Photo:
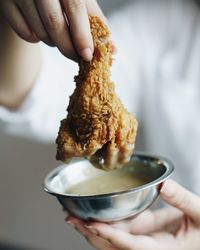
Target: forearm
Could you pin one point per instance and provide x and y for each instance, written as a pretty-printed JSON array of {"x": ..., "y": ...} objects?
[{"x": 19, "y": 66}]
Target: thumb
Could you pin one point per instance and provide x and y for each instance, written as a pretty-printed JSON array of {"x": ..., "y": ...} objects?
[{"x": 179, "y": 197}]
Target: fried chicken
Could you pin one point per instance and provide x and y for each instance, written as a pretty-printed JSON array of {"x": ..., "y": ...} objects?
[{"x": 97, "y": 125}]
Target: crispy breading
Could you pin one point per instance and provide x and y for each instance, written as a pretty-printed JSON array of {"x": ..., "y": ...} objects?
[{"x": 97, "y": 125}]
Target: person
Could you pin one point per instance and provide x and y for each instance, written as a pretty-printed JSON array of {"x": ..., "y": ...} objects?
[
  {"x": 157, "y": 77},
  {"x": 172, "y": 228}
]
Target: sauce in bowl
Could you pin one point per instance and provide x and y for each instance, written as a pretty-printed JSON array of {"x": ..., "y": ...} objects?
[{"x": 108, "y": 183}]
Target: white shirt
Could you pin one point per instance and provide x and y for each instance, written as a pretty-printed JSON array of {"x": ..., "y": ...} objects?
[{"x": 157, "y": 76}]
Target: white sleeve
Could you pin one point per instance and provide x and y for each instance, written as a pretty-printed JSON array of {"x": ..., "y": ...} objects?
[{"x": 39, "y": 116}]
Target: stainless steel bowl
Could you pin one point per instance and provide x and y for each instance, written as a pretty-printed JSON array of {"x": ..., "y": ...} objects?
[{"x": 112, "y": 206}]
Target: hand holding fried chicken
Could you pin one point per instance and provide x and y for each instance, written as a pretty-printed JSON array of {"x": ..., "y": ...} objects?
[{"x": 97, "y": 125}]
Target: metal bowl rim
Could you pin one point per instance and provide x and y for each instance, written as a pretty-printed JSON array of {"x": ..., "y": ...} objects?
[{"x": 168, "y": 172}]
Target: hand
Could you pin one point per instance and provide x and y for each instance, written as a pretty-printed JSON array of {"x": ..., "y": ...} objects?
[
  {"x": 174, "y": 228},
  {"x": 63, "y": 23}
]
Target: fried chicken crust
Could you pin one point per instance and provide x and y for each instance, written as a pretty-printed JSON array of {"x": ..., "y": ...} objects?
[{"x": 97, "y": 125}]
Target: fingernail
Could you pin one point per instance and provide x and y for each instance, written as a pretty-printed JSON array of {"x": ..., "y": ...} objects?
[
  {"x": 86, "y": 54},
  {"x": 70, "y": 223},
  {"x": 91, "y": 228},
  {"x": 167, "y": 189},
  {"x": 114, "y": 49}
]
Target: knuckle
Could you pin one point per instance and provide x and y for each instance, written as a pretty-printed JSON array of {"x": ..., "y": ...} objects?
[
  {"x": 53, "y": 21},
  {"x": 75, "y": 5},
  {"x": 183, "y": 201}
]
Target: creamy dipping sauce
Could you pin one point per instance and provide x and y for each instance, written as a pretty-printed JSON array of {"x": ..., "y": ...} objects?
[{"x": 109, "y": 183}]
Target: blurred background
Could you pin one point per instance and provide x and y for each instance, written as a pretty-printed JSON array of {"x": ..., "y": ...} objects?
[{"x": 29, "y": 218}]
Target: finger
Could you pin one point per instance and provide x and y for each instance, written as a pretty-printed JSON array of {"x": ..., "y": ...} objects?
[
  {"x": 101, "y": 244},
  {"x": 94, "y": 10},
  {"x": 77, "y": 16},
  {"x": 55, "y": 24},
  {"x": 92, "y": 237},
  {"x": 142, "y": 224},
  {"x": 121, "y": 239},
  {"x": 114, "y": 48},
  {"x": 149, "y": 222},
  {"x": 17, "y": 21},
  {"x": 74, "y": 220},
  {"x": 95, "y": 240},
  {"x": 181, "y": 198},
  {"x": 29, "y": 11},
  {"x": 164, "y": 218}
]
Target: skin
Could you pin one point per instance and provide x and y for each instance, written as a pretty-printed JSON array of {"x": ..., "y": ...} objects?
[
  {"x": 17, "y": 57},
  {"x": 176, "y": 227},
  {"x": 63, "y": 24}
]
